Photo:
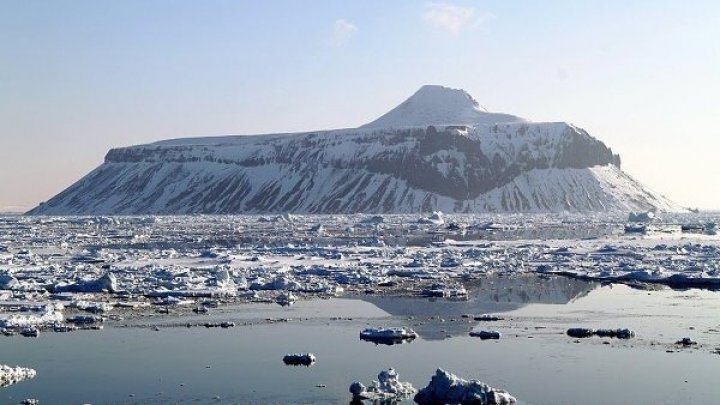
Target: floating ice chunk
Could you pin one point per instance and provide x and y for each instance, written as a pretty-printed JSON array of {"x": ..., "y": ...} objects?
[
  {"x": 94, "y": 307},
  {"x": 622, "y": 333},
  {"x": 284, "y": 218},
  {"x": 442, "y": 290},
  {"x": 87, "y": 256},
  {"x": 224, "y": 282},
  {"x": 300, "y": 359},
  {"x": 446, "y": 388},
  {"x": 106, "y": 283},
  {"x": 376, "y": 219},
  {"x": 686, "y": 341},
  {"x": 636, "y": 228},
  {"x": 450, "y": 262},
  {"x": 12, "y": 375},
  {"x": 318, "y": 229},
  {"x": 50, "y": 314},
  {"x": 580, "y": 332},
  {"x": 30, "y": 331},
  {"x": 641, "y": 217},
  {"x": 387, "y": 387},
  {"x": 286, "y": 299},
  {"x": 242, "y": 283},
  {"x": 132, "y": 304},
  {"x": 278, "y": 283},
  {"x": 223, "y": 324},
  {"x": 84, "y": 319},
  {"x": 8, "y": 282},
  {"x": 387, "y": 335},
  {"x": 435, "y": 219},
  {"x": 173, "y": 301},
  {"x": 486, "y": 334},
  {"x": 488, "y": 318}
]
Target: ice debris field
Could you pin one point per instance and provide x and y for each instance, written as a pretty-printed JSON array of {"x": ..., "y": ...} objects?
[
  {"x": 67, "y": 273},
  {"x": 61, "y": 274}
]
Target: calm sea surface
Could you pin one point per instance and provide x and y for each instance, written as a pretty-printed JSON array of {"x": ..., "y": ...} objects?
[{"x": 534, "y": 360}]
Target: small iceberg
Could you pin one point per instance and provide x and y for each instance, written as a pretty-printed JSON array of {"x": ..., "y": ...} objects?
[
  {"x": 486, "y": 334},
  {"x": 446, "y": 388},
  {"x": 106, "y": 283},
  {"x": 435, "y": 219},
  {"x": 286, "y": 299},
  {"x": 641, "y": 217},
  {"x": 387, "y": 336},
  {"x": 388, "y": 387},
  {"x": 636, "y": 228},
  {"x": 300, "y": 359},
  {"x": 686, "y": 342},
  {"x": 488, "y": 318},
  {"x": 12, "y": 375},
  {"x": 445, "y": 291},
  {"x": 622, "y": 333}
]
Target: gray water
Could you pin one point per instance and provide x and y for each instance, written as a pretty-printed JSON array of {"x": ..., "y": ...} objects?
[{"x": 534, "y": 360}]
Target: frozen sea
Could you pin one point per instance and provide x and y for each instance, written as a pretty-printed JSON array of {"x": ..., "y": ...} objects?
[{"x": 542, "y": 274}]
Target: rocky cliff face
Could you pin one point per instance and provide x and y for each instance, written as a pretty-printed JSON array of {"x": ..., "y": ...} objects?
[{"x": 500, "y": 166}]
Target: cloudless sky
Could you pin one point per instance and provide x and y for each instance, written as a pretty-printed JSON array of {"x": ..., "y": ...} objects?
[{"x": 80, "y": 77}]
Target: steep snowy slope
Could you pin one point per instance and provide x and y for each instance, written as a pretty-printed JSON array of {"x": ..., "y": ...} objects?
[
  {"x": 598, "y": 188},
  {"x": 501, "y": 164}
]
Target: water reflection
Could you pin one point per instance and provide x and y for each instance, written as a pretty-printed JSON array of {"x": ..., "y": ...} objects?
[
  {"x": 386, "y": 340},
  {"x": 492, "y": 294}
]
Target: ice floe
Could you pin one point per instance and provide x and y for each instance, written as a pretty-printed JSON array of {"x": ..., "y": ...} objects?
[
  {"x": 486, "y": 334},
  {"x": 622, "y": 333},
  {"x": 387, "y": 387},
  {"x": 300, "y": 359},
  {"x": 12, "y": 375},
  {"x": 447, "y": 388},
  {"x": 388, "y": 335},
  {"x": 168, "y": 263}
]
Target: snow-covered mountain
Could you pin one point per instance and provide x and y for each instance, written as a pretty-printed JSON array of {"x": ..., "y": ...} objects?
[
  {"x": 438, "y": 105},
  {"x": 436, "y": 151}
]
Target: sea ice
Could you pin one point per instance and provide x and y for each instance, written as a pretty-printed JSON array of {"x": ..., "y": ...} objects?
[
  {"x": 446, "y": 388},
  {"x": 106, "y": 283},
  {"x": 387, "y": 387},
  {"x": 387, "y": 334},
  {"x": 286, "y": 299},
  {"x": 12, "y": 375},
  {"x": 486, "y": 334},
  {"x": 300, "y": 359},
  {"x": 49, "y": 315},
  {"x": 622, "y": 333},
  {"x": 641, "y": 217}
]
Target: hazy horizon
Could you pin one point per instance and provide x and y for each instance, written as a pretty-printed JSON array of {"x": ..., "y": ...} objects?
[{"x": 82, "y": 77}]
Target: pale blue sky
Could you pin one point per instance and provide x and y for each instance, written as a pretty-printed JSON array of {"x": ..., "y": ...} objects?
[{"x": 79, "y": 77}]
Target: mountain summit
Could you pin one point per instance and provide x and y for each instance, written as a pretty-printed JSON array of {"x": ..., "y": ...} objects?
[
  {"x": 436, "y": 151},
  {"x": 438, "y": 105}
]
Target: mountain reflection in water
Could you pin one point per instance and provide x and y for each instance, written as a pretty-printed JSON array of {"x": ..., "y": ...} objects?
[{"x": 493, "y": 294}]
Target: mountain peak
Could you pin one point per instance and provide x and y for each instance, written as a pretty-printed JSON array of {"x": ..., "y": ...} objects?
[{"x": 439, "y": 105}]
